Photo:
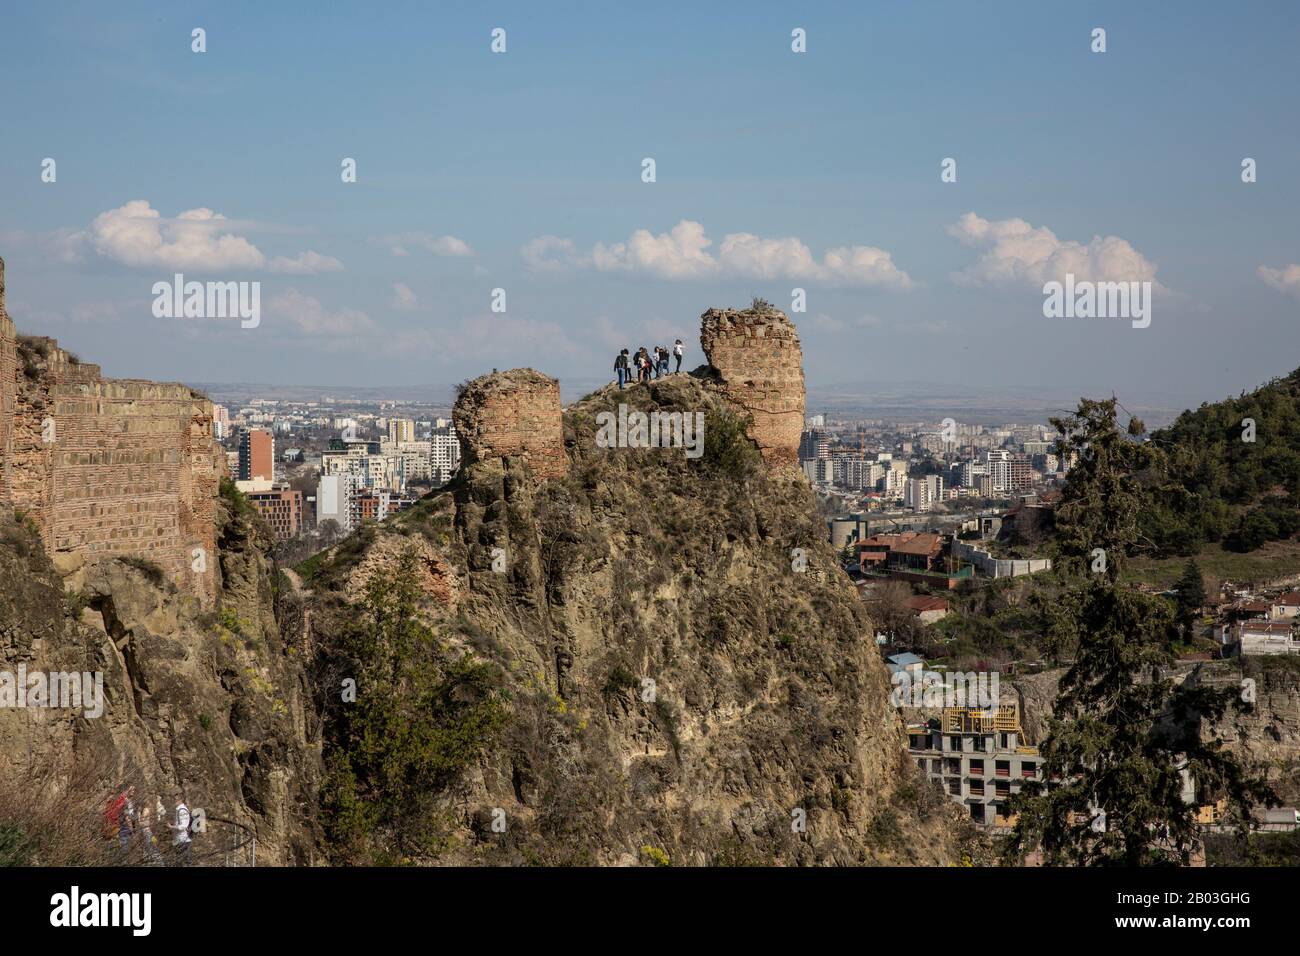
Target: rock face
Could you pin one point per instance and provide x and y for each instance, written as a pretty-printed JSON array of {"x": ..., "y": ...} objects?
[
  {"x": 756, "y": 352},
  {"x": 514, "y": 414},
  {"x": 108, "y": 467},
  {"x": 214, "y": 706},
  {"x": 676, "y": 689}
]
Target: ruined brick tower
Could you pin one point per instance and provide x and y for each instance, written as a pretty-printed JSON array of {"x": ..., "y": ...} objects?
[
  {"x": 8, "y": 384},
  {"x": 514, "y": 414},
  {"x": 756, "y": 352},
  {"x": 108, "y": 467}
]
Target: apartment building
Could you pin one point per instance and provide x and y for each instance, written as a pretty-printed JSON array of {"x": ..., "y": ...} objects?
[
  {"x": 920, "y": 494},
  {"x": 444, "y": 451},
  {"x": 256, "y": 455},
  {"x": 282, "y": 509},
  {"x": 979, "y": 758}
]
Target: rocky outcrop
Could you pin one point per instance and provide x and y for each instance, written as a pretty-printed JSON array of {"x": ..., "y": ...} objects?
[
  {"x": 677, "y": 690},
  {"x": 211, "y": 704},
  {"x": 514, "y": 414},
  {"x": 756, "y": 352}
]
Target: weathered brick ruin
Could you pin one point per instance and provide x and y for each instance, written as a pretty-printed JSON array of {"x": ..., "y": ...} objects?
[
  {"x": 514, "y": 414},
  {"x": 756, "y": 352},
  {"x": 8, "y": 384},
  {"x": 107, "y": 467}
]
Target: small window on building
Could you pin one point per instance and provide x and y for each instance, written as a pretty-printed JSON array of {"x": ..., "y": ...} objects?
[
  {"x": 976, "y": 767},
  {"x": 1003, "y": 788},
  {"x": 1029, "y": 770},
  {"x": 979, "y": 744},
  {"x": 977, "y": 788},
  {"x": 1002, "y": 768},
  {"x": 976, "y": 811},
  {"x": 954, "y": 787},
  {"x": 954, "y": 743}
]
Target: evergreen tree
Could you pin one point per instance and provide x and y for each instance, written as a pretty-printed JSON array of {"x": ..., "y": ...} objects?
[
  {"x": 1123, "y": 736},
  {"x": 1191, "y": 598}
]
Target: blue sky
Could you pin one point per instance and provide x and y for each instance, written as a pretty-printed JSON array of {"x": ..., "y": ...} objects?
[{"x": 822, "y": 168}]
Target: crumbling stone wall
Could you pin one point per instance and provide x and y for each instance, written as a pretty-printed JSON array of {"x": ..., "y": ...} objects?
[
  {"x": 109, "y": 467},
  {"x": 756, "y": 352},
  {"x": 8, "y": 368},
  {"x": 513, "y": 414}
]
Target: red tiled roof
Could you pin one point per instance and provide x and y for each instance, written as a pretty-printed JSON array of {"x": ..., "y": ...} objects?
[{"x": 922, "y": 544}]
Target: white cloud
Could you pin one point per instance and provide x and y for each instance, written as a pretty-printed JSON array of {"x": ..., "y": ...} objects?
[
  {"x": 1016, "y": 252},
  {"x": 401, "y": 244},
  {"x": 198, "y": 239},
  {"x": 307, "y": 314},
  {"x": 304, "y": 264},
  {"x": 403, "y": 298},
  {"x": 683, "y": 253},
  {"x": 1284, "y": 280},
  {"x": 552, "y": 254}
]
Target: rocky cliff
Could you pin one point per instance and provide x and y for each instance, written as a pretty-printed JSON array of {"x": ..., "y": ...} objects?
[
  {"x": 685, "y": 673},
  {"x": 211, "y": 704}
]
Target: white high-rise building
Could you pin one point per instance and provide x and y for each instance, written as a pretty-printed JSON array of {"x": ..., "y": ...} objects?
[
  {"x": 444, "y": 451},
  {"x": 920, "y": 494},
  {"x": 999, "y": 468},
  {"x": 334, "y": 494}
]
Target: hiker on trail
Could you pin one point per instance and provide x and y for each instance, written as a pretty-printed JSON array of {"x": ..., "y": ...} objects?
[
  {"x": 642, "y": 365},
  {"x": 620, "y": 368},
  {"x": 678, "y": 349},
  {"x": 182, "y": 844},
  {"x": 152, "y": 855},
  {"x": 661, "y": 357},
  {"x": 117, "y": 820}
]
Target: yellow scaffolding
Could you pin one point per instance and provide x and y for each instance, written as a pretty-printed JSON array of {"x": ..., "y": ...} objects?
[{"x": 971, "y": 720}]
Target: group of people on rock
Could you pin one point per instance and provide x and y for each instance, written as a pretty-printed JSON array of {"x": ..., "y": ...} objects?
[
  {"x": 646, "y": 364},
  {"x": 134, "y": 826}
]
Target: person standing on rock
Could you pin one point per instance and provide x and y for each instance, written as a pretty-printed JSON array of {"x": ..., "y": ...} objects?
[
  {"x": 662, "y": 354},
  {"x": 620, "y": 368},
  {"x": 678, "y": 349}
]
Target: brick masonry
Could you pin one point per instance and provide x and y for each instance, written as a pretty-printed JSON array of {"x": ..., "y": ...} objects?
[
  {"x": 756, "y": 352},
  {"x": 132, "y": 470},
  {"x": 514, "y": 414},
  {"x": 8, "y": 384}
]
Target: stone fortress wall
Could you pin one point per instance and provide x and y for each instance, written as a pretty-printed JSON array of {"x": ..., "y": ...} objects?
[{"x": 108, "y": 467}]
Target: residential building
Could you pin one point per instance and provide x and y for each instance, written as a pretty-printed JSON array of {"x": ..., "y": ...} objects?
[
  {"x": 256, "y": 455},
  {"x": 978, "y": 756},
  {"x": 282, "y": 509}
]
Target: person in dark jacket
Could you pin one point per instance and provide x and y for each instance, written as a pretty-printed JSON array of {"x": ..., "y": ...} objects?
[{"x": 620, "y": 368}]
